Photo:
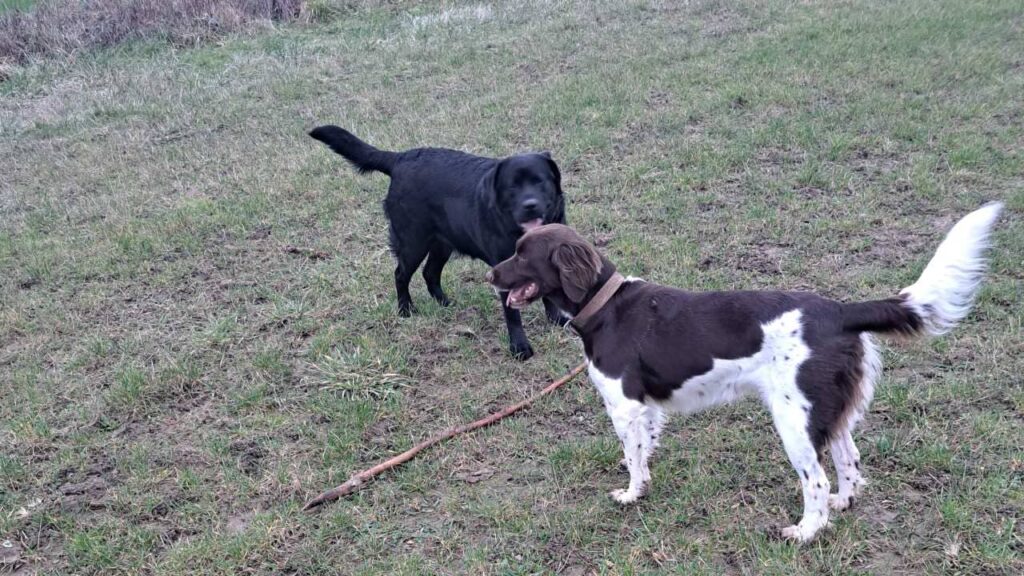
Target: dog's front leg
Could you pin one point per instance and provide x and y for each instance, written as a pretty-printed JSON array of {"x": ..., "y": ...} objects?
[
  {"x": 517, "y": 341},
  {"x": 632, "y": 421},
  {"x": 555, "y": 315}
]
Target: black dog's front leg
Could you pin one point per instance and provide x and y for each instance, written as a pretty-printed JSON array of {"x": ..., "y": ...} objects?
[
  {"x": 555, "y": 314},
  {"x": 517, "y": 342}
]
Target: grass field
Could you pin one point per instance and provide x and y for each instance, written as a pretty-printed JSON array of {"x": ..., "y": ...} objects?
[
  {"x": 6, "y": 5},
  {"x": 174, "y": 383}
]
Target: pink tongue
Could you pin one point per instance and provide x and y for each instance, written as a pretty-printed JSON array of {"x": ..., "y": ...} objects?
[
  {"x": 527, "y": 226},
  {"x": 519, "y": 293},
  {"x": 508, "y": 300}
]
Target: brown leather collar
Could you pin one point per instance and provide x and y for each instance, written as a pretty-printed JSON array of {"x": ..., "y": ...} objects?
[{"x": 599, "y": 300}]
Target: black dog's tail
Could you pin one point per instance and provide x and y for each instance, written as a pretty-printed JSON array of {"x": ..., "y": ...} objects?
[
  {"x": 944, "y": 293},
  {"x": 364, "y": 157}
]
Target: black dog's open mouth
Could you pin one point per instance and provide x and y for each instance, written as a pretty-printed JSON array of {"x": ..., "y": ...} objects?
[
  {"x": 521, "y": 296},
  {"x": 531, "y": 224}
]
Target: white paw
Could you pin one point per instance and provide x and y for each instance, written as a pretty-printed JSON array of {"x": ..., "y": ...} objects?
[
  {"x": 839, "y": 503},
  {"x": 795, "y": 533},
  {"x": 802, "y": 532},
  {"x": 625, "y": 496}
]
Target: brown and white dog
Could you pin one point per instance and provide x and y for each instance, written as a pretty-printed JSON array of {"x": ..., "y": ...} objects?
[{"x": 812, "y": 361}]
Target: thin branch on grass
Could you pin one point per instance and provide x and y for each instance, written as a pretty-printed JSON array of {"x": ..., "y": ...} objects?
[{"x": 356, "y": 481}]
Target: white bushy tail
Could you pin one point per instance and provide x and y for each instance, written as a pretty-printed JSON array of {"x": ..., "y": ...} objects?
[{"x": 944, "y": 293}]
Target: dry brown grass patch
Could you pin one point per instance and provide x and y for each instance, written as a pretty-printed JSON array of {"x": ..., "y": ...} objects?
[{"x": 58, "y": 27}]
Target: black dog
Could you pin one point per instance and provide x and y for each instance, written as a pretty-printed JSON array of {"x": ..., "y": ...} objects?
[{"x": 442, "y": 201}]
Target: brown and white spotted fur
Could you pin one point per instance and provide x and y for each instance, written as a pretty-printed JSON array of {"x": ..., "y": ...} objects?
[{"x": 812, "y": 361}]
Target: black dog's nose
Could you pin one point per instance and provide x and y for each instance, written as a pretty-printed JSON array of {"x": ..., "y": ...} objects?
[
  {"x": 531, "y": 205},
  {"x": 490, "y": 276}
]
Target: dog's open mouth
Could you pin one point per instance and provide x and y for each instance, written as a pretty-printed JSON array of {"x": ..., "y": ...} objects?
[
  {"x": 521, "y": 296},
  {"x": 531, "y": 224}
]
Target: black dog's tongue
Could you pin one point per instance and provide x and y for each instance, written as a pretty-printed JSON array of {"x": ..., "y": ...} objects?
[{"x": 530, "y": 225}]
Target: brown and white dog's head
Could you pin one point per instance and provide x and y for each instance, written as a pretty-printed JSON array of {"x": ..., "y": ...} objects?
[{"x": 550, "y": 261}]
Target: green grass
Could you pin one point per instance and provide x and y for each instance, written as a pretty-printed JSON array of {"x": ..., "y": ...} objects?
[
  {"x": 175, "y": 384},
  {"x": 6, "y": 5}
]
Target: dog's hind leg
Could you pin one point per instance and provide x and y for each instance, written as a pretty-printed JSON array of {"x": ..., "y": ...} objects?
[
  {"x": 409, "y": 256},
  {"x": 847, "y": 461},
  {"x": 440, "y": 252},
  {"x": 791, "y": 423},
  {"x": 845, "y": 455},
  {"x": 410, "y": 242}
]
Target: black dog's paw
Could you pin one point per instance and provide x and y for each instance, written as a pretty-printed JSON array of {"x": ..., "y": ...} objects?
[
  {"x": 406, "y": 309},
  {"x": 439, "y": 296},
  {"x": 521, "y": 350}
]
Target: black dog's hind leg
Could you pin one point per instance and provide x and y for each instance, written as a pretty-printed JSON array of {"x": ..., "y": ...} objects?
[
  {"x": 555, "y": 315},
  {"x": 409, "y": 259},
  {"x": 440, "y": 252},
  {"x": 517, "y": 342}
]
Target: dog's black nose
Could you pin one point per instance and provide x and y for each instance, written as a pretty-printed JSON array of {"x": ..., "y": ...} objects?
[
  {"x": 490, "y": 276},
  {"x": 531, "y": 205}
]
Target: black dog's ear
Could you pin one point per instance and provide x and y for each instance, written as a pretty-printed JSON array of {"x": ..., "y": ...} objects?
[
  {"x": 579, "y": 265},
  {"x": 489, "y": 186},
  {"x": 545, "y": 153},
  {"x": 554, "y": 170},
  {"x": 558, "y": 210}
]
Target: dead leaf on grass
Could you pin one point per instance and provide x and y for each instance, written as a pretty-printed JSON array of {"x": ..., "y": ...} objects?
[
  {"x": 660, "y": 558},
  {"x": 26, "y": 511},
  {"x": 952, "y": 549},
  {"x": 307, "y": 252},
  {"x": 474, "y": 476},
  {"x": 603, "y": 239}
]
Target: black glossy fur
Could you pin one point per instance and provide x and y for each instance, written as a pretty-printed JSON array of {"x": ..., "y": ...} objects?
[{"x": 444, "y": 201}]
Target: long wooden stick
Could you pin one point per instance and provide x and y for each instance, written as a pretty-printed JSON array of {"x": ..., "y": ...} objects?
[{"x": 353, "y": 483}]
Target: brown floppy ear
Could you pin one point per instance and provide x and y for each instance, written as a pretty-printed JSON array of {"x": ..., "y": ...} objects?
[{"x": 578, "y": 268}]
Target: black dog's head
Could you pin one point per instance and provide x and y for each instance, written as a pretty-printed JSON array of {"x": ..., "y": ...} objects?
[{"x": 527, "y": 188}]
